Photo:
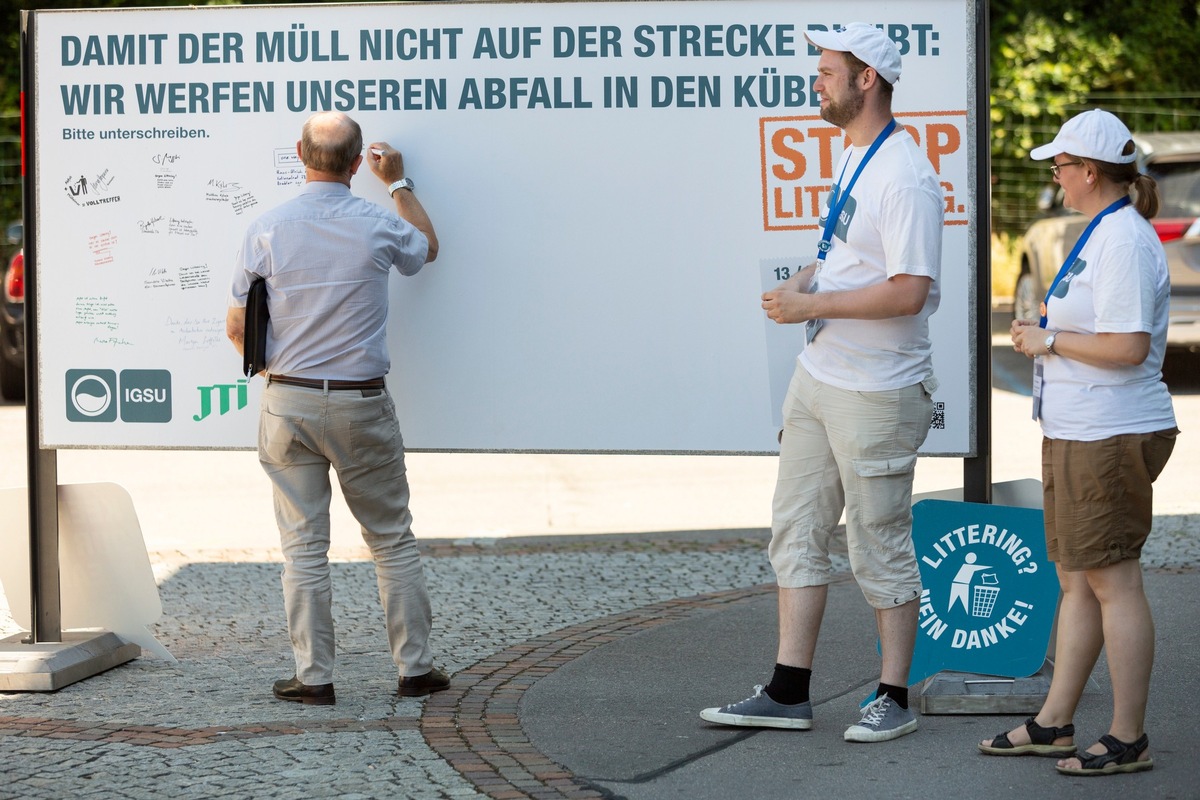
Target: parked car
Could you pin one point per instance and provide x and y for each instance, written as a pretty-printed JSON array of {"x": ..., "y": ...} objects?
[
  {"x": 1173, "y": 160},
  {"x": 12, "y": 320}
]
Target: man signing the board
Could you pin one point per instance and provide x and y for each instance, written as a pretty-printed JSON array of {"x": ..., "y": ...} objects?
[{"x": 326, "y": 256}]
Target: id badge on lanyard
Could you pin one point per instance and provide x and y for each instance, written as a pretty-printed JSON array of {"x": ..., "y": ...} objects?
[
  {"x": 1038, "y": 368},
  {"x": 834, "y": 211}
]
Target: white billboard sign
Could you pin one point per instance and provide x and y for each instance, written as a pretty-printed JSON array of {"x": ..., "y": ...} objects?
[{"x": 613, "y": 184}]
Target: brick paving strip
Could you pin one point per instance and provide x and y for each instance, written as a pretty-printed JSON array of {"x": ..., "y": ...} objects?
[{"x": 474, "y": 725}]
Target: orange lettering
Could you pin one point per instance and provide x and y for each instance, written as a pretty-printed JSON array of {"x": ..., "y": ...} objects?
[
  {"x": 941, "y": 139},
  {"x": 780, "y": 145},
  {"x": 825, "y": 137}
]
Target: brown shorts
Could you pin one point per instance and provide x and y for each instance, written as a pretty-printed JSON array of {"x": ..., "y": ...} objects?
[{"x": 1097, "y": 497}]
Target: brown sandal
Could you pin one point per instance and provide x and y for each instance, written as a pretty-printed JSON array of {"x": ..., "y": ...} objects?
[{"x": 1041, "y": 742}]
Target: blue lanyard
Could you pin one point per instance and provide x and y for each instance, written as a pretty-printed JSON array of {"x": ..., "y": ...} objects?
[
  {"x": 1066, "y": 267},
  {"x": 835, "y": 210}
]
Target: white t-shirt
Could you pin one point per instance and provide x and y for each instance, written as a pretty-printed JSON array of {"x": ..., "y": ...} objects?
[
  {"x": 1119, "y": 284},
  {"x": 891, "y": 225}
]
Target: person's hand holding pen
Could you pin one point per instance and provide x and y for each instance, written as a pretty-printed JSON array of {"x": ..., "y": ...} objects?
[
  {"x": 388, "y": 165},
  {"x": 385, "y": 161}
]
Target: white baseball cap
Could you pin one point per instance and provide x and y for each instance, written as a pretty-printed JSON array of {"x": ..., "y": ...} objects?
[
  {"x": 867, "y": 43},
  {"x": 1094, "y": 134}
]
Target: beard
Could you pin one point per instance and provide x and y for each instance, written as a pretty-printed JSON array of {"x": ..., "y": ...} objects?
[{"x": 843, "y": 113}]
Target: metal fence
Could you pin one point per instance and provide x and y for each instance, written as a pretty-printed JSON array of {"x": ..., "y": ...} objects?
[
  {"x": 1016, "y": 180},
  {"x": 10, "y": 166}
]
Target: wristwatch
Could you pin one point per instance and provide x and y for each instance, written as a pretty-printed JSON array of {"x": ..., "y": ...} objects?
[
  {"x": 1050, "y": 343},
  {"x": 403, "y": 183}
]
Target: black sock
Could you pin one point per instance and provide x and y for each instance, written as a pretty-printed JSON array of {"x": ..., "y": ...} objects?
[
  {"x": 897, "y": 693},
  {"x": 789, "y": 685}
]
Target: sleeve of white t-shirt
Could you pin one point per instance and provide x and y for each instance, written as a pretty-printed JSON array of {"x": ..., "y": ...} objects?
[
  {"x": 911, "y": 228},
  {"x": 1123, "y": 288}
]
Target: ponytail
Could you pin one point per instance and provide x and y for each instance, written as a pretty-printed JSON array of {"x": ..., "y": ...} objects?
[
  {"x": 1145, "y": 189},
  {"x": 1145, "y": 197}
]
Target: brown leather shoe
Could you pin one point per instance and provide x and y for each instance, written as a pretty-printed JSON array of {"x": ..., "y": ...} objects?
[
  {"x": 420, "y": 685},
  {"x": 295, "y": 691}
]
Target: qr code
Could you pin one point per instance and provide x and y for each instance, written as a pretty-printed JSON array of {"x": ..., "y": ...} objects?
[{"x": 938, "y": 421}]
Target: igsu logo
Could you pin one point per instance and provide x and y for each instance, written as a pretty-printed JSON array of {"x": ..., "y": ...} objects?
[
  {"x": 91, "y": 395},
  {"x": 139, "y": 395}
]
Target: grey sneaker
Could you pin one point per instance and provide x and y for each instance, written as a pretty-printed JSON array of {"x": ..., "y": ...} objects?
[
  {"x": 882, "y": 719},
  {"x": 760, "y": 711}
]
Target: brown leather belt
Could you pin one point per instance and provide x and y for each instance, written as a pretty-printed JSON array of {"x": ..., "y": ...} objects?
[{"x": 312, "y": 383}]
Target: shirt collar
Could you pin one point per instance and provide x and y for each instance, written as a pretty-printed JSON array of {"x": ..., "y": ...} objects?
[{"x": 325, "y": 187}]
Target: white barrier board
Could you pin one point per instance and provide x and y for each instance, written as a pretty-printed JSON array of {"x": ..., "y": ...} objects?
[{"x": 613, "y": 185}]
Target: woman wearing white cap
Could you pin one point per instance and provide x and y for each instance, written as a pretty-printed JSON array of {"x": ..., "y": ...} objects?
[{"x": 1108, "y": 428}]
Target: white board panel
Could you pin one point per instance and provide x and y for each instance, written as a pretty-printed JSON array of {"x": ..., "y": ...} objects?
[{"x": 613, "y": 185}]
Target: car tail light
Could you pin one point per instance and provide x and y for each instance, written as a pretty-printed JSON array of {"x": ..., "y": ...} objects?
[
  {"x": 1169, "y": 230},
  {"x": 14, "y": 281}
]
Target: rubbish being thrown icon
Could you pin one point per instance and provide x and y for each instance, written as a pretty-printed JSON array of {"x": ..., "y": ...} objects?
[{"x": 961, "y": 584}]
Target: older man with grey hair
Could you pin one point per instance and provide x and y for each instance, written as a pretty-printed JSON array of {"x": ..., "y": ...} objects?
[{"x": 326, "y": 257}]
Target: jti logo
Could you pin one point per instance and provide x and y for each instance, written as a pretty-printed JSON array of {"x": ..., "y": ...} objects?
[{"x": 226, "y": 394}]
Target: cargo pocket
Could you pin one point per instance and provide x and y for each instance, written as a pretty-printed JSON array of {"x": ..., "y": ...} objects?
[{"x": 884, "y": 490}]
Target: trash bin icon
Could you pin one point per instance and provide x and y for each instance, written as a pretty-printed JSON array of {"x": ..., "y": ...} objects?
[{"x": 983, "y": 601}]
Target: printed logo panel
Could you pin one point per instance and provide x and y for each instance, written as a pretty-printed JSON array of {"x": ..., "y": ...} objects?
[
  {"x": 96, "y": 395},
  {"x": 91, "y": 395},
  {"x": 798, "y": 156},
  {"x": 145, "y": 395}
]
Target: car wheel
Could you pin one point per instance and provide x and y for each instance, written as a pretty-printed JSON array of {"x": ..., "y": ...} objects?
[
  {"x": 12, "y": 381},
  {"x": 1025, "y": 301}
]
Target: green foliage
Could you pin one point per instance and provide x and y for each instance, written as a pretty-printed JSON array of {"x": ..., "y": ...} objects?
[
  {"x": 1048, "y": 56},
  {"x": 1051, "y": 59}
]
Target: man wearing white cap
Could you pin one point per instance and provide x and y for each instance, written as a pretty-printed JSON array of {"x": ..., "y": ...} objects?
[{"x": 859, "y": 405}]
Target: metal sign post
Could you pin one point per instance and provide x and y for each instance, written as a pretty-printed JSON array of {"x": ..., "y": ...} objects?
[{"x": 46, "y": 659}]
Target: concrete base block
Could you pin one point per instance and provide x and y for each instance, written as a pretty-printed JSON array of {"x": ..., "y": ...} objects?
[
  {"x": 964, "y": 693},
  {"x": 48, "y": 666}
]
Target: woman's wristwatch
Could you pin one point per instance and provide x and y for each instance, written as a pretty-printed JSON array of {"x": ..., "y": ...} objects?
[{"x": 1050, "y": 343}]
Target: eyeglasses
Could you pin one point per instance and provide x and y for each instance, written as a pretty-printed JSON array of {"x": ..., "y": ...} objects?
[{"x": 1054, "y": 168}]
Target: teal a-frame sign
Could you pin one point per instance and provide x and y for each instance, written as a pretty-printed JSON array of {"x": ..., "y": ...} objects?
[{"x": 989, "y": 592}]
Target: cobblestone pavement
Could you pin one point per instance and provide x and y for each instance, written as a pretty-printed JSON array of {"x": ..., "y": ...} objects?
[{"x": 506, "y": 613}]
